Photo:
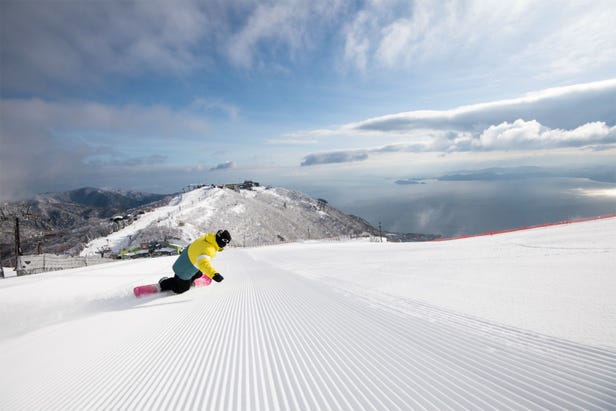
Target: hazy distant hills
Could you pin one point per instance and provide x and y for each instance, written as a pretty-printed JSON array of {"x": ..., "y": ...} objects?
[
  {"x": 62, "y": 222},
  {"x": 102, "y": 201},
  {"x": 596, "y": 173}
]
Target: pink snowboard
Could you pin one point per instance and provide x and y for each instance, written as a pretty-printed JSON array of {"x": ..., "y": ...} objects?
[
  {"x": 143, "y": 290},
  {"x": 148, "y": 289}
]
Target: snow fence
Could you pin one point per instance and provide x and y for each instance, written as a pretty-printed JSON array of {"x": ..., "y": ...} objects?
[{"x": 33, "y": 264}]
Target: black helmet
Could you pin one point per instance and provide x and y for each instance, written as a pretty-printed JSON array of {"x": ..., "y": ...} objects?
[{"x": 223, "y": 238}]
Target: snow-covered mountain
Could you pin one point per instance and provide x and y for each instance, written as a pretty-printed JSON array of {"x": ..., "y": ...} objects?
[{"x": 256, "y": 216}]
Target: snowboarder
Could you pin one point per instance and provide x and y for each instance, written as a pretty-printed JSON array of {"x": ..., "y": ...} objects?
[{"x": 195, "y": 262}]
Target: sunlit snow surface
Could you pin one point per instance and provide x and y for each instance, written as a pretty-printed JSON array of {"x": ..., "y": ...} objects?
[{"x": 518, "y": 320}]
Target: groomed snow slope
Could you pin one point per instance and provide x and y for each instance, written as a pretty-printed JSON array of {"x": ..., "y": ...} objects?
[{"x": 519, "y": 320}]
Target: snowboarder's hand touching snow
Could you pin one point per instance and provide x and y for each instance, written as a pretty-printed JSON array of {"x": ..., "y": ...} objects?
[{"x": 218, "y": 278}]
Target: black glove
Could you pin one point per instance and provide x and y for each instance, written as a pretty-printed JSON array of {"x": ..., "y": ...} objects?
[{"x": 218, "y": 278}]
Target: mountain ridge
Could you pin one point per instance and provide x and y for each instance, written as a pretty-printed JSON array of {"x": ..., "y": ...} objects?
[
  {"x": 66, "y": 222},
  {"x": 108, "y": 200},
  {"x": 256, "y": 216}
]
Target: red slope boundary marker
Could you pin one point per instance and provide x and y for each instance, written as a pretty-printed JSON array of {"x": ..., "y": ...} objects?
[{"x": 530, "y": 227}]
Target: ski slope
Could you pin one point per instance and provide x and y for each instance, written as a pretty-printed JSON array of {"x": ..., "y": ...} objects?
[{"x": 523, "y": 320}]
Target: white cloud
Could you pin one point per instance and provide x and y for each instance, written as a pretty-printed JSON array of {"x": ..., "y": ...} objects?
[
  {"x": 47, "y": 144},
  {"x": 335, "y": 157},
  {"x": 565, "y": 117},
  {"x": 394, "y": 46},
  {"x": 216, "y": 105},
  {"x": 401, "y": 33},
  {"x": 581, "y": 43},
  {"x": 224, "y": 166},
  {"x": 290, "y": 142},
  {"x": 564, "y": 107},
  {"x": 66, "y": 44},
  {"x": 599, "y": 192},
  {"x": 273, "y": 32},
  {"x": 43, "y": 117},
  {"x": 480, "y": 48},
  {"x": 357, "y": 44},
  {"x": 69, "y": 44},
  {"x": 537, "y": 38},
  {"x": 279, "y": 23},
  {"x": 519, "y": 135},
  {"x": 56, "y": 44},
  {"x": 529, "y": 135}
]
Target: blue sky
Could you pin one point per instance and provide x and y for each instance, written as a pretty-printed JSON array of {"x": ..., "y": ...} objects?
[{"x": 155, "y": 95}]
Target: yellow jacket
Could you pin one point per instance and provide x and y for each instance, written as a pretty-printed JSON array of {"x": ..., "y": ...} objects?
[{"x": 201, "y": 251}]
